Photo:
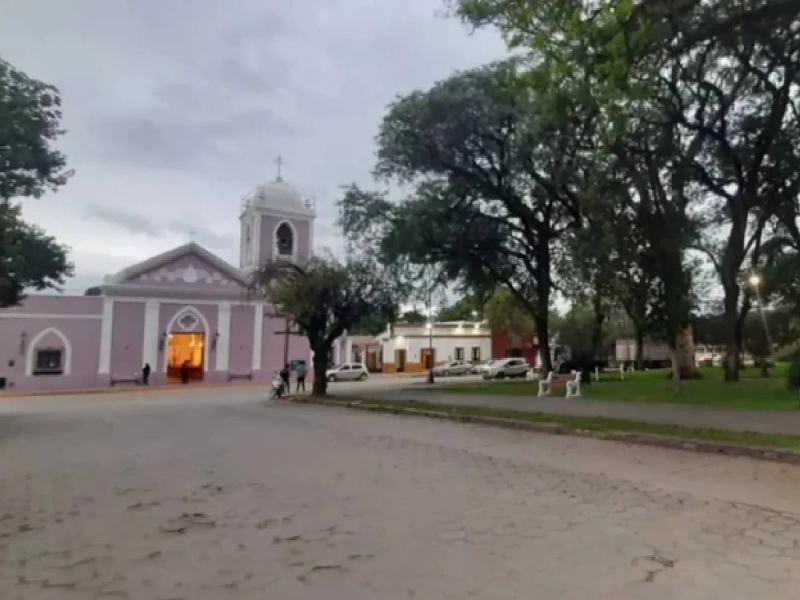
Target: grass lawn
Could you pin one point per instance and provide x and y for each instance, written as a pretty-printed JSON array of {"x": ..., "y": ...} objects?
[
  {"x": 752, "y": 391},
  {"x": 598, "y": 425}
]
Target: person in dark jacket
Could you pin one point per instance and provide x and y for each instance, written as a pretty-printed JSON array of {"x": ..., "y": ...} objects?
[
  {"x": 146, "y": 374},
  {"x": 185, "y": 372},
  {"x": 285, "y": 371},
  {"x": 301, "y": 377}
]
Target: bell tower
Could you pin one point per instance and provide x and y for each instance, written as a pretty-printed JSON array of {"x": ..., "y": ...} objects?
[{"x": 276, "y": 223}]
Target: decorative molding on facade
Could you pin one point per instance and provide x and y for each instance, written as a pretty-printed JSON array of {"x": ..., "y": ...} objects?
[
  {"x": 158, "y": 264},
  {"x": 258, "y": 337},
  {"x": 188, "y": 322},
  {"x": 190, "y": 274},
  {"x": 203, "y": 295},
  {"x": 150, "y": 337},
  {"x": 224, "y": 341},
  {"x": 106, "y": 332},
  {"x": 32, "y": 348}
]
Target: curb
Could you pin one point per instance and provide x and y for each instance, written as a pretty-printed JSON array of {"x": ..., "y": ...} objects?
[
  {"x": 133, "y": 389},
  {"x": 645, "y": 439}
]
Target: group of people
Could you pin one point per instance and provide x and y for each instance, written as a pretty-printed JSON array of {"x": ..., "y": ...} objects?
[{"x": 300, "y": 376}]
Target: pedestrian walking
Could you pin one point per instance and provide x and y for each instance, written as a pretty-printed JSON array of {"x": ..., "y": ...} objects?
[{"x": 301, "y": 377}]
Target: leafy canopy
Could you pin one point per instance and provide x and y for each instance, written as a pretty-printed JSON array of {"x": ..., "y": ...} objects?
[
  {"x": 30, "y": 116},
  {"x": 28, "y": 257}
]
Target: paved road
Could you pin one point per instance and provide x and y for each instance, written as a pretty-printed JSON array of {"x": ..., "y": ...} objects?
[{"x": 216, "y": 497}]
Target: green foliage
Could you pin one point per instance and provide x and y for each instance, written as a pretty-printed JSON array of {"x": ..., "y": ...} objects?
[
  {"x": 413, "y": 316},
  {"x": 30, "y": 117},
  {"x": 505, "y": 313},
  {"x": 28, "y": 257},
  {"x": 464, "y": 309},
  {"x": 696, "y": 103},
  {"x": 327, "y": 297},
  {"x": 370, "y": 325},
  {"x": 493, "y": 169}
]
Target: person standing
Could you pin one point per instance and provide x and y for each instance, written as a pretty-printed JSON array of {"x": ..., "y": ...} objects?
[
  {"x": 301, "y": 377},
  {"x": 146, "y": 374},
  {"x": 185, "y": 371},
  {"x": 285, "y": 371}
]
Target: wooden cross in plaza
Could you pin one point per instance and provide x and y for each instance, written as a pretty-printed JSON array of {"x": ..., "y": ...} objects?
[{"x": 286, "y": 332}]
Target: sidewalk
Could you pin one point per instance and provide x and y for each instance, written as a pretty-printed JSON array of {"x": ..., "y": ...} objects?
[{"x": 760, "y": 421}]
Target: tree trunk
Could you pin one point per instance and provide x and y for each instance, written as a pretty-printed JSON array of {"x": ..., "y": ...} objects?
[
  {"x": 320, "y": 387},
  {"x": 733, "y": 335},
  {"x": 676, "y": 374},
  {"x": 542, "y": 335},
  {"x": 729, "y": 275},
  {"x": 639, "y": 347},
  {"x": 684, "y": 347}
]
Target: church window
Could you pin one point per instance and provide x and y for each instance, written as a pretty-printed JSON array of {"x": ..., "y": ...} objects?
[
  {"x": 48, "y": 362},
  {"x": 247, "y": 234},
  {"x": 284, "y": 240}
]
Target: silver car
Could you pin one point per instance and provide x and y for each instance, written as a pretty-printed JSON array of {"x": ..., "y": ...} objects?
[
  {"x": 506, "y": 367},
  {"x": 455, "y": 367},
  {"x": 347, "y": 372}
]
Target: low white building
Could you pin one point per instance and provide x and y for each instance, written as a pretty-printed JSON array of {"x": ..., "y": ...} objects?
[
  {"x": 406, "y": 347},
  {"x": 363, "y": 349}
]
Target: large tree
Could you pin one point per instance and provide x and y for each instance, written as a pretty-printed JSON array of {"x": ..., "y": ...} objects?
[
  {"x": 30, "y": 122},
  {"x": 718, "y": 78},
  {"x": 496, "y": 180},
  {"x": 29, "y": 259},
  {"x": 29, "y": 165},
  {"x": 325, "y": 298}
]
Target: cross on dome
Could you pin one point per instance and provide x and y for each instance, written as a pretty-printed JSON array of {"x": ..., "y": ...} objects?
[{"x": 279, "y": 162}]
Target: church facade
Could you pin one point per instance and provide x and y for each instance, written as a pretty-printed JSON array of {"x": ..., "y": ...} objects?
[{"x": 186, "y": 313}]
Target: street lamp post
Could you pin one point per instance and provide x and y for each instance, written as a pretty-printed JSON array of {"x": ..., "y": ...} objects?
[
  {"x": 755, "y": 282},
  {"x": 429, "y": 325}
]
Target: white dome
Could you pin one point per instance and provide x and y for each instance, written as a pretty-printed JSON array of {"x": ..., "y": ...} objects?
[{"x": 280, "y": 196}]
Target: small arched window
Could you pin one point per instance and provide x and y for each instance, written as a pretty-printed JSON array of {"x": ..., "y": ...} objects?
[
  {"x": 247, "y": 234},
  {"x": 284, "y": 240}
]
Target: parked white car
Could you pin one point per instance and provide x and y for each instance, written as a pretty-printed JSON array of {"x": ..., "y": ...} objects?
[
  {"x": 506, "y": 367},
  {"x": 454, "y": 367},
  {"x": 348, "y": 372}
]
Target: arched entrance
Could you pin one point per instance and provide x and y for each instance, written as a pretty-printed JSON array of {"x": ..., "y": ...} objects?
[{"x": 186, "y": 353}]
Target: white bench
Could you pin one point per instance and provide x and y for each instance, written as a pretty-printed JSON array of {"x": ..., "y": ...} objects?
[
  {"x": 574, "y": 385},
  {"x": 572, "y": 381}
]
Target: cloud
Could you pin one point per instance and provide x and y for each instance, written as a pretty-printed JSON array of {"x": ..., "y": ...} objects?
[
  {"x": 175, "y": 110},
  {"x": 140, "y": 225}
]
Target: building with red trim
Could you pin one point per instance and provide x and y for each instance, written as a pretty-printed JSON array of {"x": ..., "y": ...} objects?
[{"x": 505, "y": 344}]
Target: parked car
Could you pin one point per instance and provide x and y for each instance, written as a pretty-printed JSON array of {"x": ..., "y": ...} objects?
[
  {"x": 506, "y": 367},
  {"x": 348, "y": 372},
  {"x": 454, "y": 367},
  {"x": 479, "y": 367}
]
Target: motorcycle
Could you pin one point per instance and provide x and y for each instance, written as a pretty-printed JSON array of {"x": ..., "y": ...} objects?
[{"x": 277, "y": 389}]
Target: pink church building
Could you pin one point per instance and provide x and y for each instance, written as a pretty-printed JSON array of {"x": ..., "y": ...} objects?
[{"x": 187, "y": 313}]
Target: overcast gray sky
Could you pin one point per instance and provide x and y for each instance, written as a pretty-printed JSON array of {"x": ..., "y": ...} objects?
[{"x": 177, "y": 108}]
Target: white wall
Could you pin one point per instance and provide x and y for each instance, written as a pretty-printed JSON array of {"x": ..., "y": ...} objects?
[{"x": 445, "y": 347}]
